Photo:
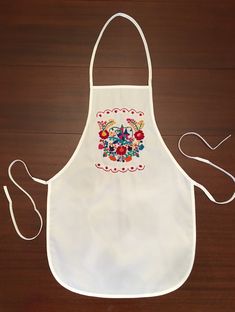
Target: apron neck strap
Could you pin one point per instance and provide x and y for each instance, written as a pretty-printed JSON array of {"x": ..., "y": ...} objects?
[
  {"x": 27, "y": 194},
  {"x": 208, "y": 194},
  {"x": 142, "y": 36}
]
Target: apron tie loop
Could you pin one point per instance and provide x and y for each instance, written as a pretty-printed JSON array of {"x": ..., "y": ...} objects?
[
  {"x": 208, "y": 194},
  {"x": 27, "y": 194},
  {"x": 131, "y": 19}
]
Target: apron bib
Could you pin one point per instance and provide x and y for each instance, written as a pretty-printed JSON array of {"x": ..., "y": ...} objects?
[{"x": 121, "y": 213}]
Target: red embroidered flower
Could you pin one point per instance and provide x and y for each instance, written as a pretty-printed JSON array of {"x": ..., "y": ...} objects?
[
  {"x": 139, "y": 135},
  {"x": 121, "y": 150},
  {"x": 104, "y": 134}
]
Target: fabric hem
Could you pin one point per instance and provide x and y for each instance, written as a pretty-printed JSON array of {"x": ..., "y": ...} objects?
[{"x": 119, "y": 296}]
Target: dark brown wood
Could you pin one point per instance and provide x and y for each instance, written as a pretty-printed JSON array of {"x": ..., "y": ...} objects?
[
  {"x": 180, "y": 33},
  {"x": 55, "y": 99},
  {"x": 44, "y": 57}
]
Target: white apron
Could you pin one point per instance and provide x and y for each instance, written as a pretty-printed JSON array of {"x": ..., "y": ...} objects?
[{"x": 121, "y": 213}]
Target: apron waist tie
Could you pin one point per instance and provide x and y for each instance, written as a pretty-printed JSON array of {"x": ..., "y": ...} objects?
[
  {"x": 27, "y": 194},
  {"x": 208, "y": 194}
]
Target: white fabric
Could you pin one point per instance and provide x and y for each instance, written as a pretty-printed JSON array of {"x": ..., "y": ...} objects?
[
  {"x": 126, "y": 228},
  {"x": 208, "y": 194},
  {"x": 31, "y": 199}
]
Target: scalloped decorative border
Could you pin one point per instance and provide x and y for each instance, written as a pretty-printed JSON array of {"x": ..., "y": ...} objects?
[
  {"x": 116, "y": 110},
  {"x": 123, "y": 170}
]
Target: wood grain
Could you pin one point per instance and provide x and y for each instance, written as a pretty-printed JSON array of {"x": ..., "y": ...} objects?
[
  {"x": 181, "y": 33},
  {"x": 55, "y": 99},
  {"x": 44, "y": 93}
]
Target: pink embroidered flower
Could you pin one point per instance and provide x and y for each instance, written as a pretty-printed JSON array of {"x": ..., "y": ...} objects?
[
  {"x": 104, "y": 134},
  {"x": 121, "y": 150},
  {"x": 139, "y": 135}
]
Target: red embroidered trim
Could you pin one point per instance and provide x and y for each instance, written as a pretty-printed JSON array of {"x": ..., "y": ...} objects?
[
  {"x": 115, "y": 170},
  {"x": 116, "y": 110}
]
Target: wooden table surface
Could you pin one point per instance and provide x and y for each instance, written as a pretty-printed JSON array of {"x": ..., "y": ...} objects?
[{"x": 44, "y": 58}]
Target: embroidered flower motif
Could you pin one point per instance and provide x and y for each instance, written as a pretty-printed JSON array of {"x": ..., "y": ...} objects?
[
  {"x": 113, "y": 158},
  {"x": 104, "y": 134},
  {"x": 121, "y": 143},
  {"x": 139, "y": 135},
  {"x": 121, "y": 150}
]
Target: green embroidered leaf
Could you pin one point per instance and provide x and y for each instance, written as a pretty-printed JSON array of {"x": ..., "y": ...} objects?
[
  {"x": 140, "y": 124},
  {"x": 109, "y": 124},
  {"x": 133, "y": 124}
]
